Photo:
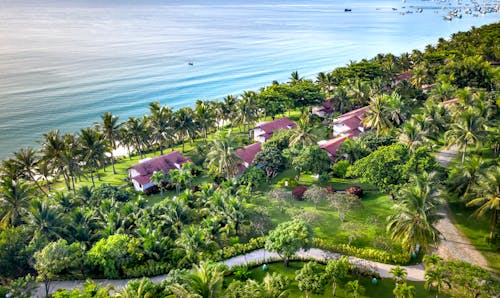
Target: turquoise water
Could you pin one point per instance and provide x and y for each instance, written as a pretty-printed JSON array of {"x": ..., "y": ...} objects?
[{"x": 62, "y": 65}]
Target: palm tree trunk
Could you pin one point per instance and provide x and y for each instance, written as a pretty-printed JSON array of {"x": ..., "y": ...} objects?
[
  {"x": 37, "y": 184},
  {"x": 463, "y": 153},
  {"x": 113, "y": 162},
  {"x": 493, "y": 224}
]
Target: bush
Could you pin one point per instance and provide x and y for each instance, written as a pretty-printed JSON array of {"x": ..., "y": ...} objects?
[
  {"x": 339, "y": 169},
  {"x": 298, "y": 192},
  {"x": 242, "y": 272},
  {"x": 330, "y": 188},
  {"x": 364, "y": 253},
  {"x": 323, "y": 179},
  {"x": 355, "y": 190}
]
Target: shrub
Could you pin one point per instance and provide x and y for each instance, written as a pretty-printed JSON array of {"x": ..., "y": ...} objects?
[
  {"x": 339, "y": 169},
  {"x": 291, "y": 182},
  {"x": 330, "y": 188},
  {"x": 355, "y": 190},
  {"x": 242, "y": 272},
  {"x": 298, "y": 192},
  {"x": 323, "y": 178}
]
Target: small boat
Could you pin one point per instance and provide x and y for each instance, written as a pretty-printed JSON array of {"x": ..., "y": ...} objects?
[
  {"x": 347, "y": 10},
  {"x": 190, "y": 63},
  {"x": 394, "y": 8}
]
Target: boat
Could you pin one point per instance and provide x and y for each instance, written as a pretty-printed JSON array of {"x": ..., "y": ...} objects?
[
  {"x": 347, "y": 10},
  {"x": 190, "y": 63}
]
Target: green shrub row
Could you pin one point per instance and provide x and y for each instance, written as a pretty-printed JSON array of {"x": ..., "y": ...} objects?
[
  {"x": 150, "y": 268},
  {"x": 239, "y": 249},
  {"x": 364, "y": 253}
]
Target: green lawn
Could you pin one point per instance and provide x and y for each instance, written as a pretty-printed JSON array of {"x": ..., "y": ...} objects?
[
  {"x": 364, "y": 226},
  {"x": 477, "y": 231},
  {"x": 383, "y": 288}
]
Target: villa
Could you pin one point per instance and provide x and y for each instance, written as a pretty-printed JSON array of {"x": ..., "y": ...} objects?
[
  {"x": 140, "y": 174},
  {"x": 332, "y": 146},
  {"x": 264, "y": 131},
  {"x": 324, "y": 110},
  {"x": 349, "y": 123},
  {"x": 247, "y": 155}
]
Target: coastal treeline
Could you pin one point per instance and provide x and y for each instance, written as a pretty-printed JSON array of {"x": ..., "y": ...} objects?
[{"x": 112, "y": 231}]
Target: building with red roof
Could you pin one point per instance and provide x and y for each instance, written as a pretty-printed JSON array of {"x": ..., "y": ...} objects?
[
  {"x": 140, "y": 174},
  {"x": 247, "y": 155},
  {"x": 332, "y": 146},
  {"x": 349, "y": 123},
  {"x": 264, "y": 131},
  {"x": 324, "y": 110},
  {"x": 449, "y": 102}
]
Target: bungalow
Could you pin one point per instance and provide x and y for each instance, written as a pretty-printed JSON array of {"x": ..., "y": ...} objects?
[
  {"x": 349, "y": 123},
  {"x": 263, "y": 131},
  {"x": 140, "y": 174},
  {"x": 332, "y": 146},
  {"x": 325, "y": 110},
  {"x": 247, "y": 155}
]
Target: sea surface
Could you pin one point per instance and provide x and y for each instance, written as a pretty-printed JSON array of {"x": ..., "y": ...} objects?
[{"x": 65, "y": 63}]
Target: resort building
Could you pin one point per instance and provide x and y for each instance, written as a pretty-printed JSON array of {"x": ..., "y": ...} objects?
[
  {"x": 332, "y": 146},
  {"x": 324, "y": 110},
  {"x": 140, "y": 174},
  {"x": 449, "y": 102},
  {"x": 247, "y": 155},
  {"x": 264, "y": 131},
  {"x": 349, "y": 123}
]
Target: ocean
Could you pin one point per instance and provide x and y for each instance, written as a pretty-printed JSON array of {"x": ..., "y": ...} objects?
[{"x": 65, "y": 63}]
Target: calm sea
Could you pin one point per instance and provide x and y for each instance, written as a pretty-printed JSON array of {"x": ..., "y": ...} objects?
[{"x": 63, "y": 64}]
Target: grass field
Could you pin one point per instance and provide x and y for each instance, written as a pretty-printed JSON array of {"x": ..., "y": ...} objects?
[
  {"x": 477, "y": 231},
  {"x": 383, "y": 288}
]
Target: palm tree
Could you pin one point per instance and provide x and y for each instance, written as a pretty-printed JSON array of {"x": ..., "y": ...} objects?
[
  {"x": 294, "y": 78},
  {"x": 352, "y": 149},
  {"x": 93, "y": 147},
  {"x": 418, "y": 76},
  {"x": 403, "y": 290},
  {"x": 438, "y": 278},
  {"x": 46, "y": 221},
  {"x": 143, "y": 290},
  {"x": 354, "y": 288},
  {"x": 359, "y": 91},
  {"x": 463, "y": 177},
  {"x": 488, "y": 197},
  {"x": 15, "y": 198},
  {"x": 53, "y": 148},
  {"x": 411, "y": 134},
  {"x": 192, "y": 241},
  {"x": 222, "y": 157},
  {"x": 184, "y": 124},
  {"x": 205, "y": 281},
  {"x": 110, "y": 128},
  {"x": 376, "y": 116},
  {"x": 431, "y": 261},
  {"x": 399, "y": 274},
  {"x": 443, "y": 90},
  {"x": 160, "y": 178},
  {"x": 302, "y": 134},
  {"x": 395, "y": 109},
  {"x": 246, "y": 109},
  {"x": 416, "y": 214},
  {"x": 341, "y": 99},
  {"x": 435, "y": 120},
  {"x": 204, "y": 116},
  {"x": 468, "y": 130},
  {"x": 134, "y": 129},
  {"x": 326, "y": 81},
  {"x": 27, "y": 160},
  {"x": 160, "y": 122},
  {"x": 72, "y": 156}
]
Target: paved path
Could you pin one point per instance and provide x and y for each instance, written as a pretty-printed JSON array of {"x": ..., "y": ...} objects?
[
  {"x": 415, "y": 273},
  {"x": 453, "y": 244}
]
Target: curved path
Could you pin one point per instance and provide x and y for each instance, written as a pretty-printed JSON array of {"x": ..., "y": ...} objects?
[
  {"x": 453, "y": 244},
  {"x": 415, "y": 272}
]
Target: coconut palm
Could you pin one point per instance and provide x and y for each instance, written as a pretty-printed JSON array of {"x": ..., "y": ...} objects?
[
  {"x": 204, "y": 116},
  {"x": 431, "y": 261},
  {"x": 184, "y": 124},
  {"x": 437, "y": 278},
  {"x": 160, "y": 122},
  {"x": 463, "y": 177},
  {"x": 27, "y": 160},
  {"x": 352, "y": 150},
  {"x": 488, "y": 196},
  {"x": 93, "y": 146},
  {"x": 294, "y": 78},
  {"x": 395, "y": 109},
  {"x": 376, "y": 116},
  {"x": 15, "y": 198},
  {"x": 326, "y": 81},
  {"x": 222, "y": 157},
  {"x": 435, "y": 119},
  {"x": 418, "y": 76},
  {"x": 411, "y": 134},
  {"x": 303, "y": 134},
  {"x": 246, "y": 109},
  {"x": 359, "y": 92},
  {"x": 404, "y": 61},
  {"x": 443, "y": 90},
  {"x": 72, "y": 157},
  {"x": 53, "y": 148},
  {"x": 399, "y": 274},
  {"x": 416, "y": 215},
  {"x": 205, "y": 282},
  {"x": 160, "y": 178},
  {"x": 192, "y": 242},
  {"x": 143, "y": 290},
  {"x": 403, "y": 290},
  {"x": 466, "y": 131},
  {"x": 341, "y": 99},
  {"x": 110, "y": 128},
  {"x": 46, "y": 221},
  {"x": 134, "y": 132}
]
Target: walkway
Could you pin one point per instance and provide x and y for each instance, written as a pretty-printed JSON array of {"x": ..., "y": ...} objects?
[
  {"x": 453, "y": 244},
  {"x": 415, "y": 273}
]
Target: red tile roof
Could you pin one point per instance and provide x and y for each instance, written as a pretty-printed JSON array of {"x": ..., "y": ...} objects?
[
  {"x": 352, "y": 122},
  {"x": 281, "y": 123},
  {"x": 354, "y": 113},
  {"x": 333, "y": 145},
  {"x": 404, "y": 76},
  {"x": 164, "y": 163},
  {"x": 450, "y": 101},
  {"x": 248, "y": 153}
]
